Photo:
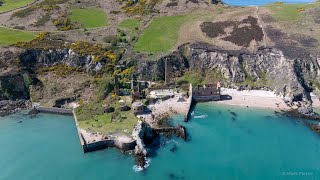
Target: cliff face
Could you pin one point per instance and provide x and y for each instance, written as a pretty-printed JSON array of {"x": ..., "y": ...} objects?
[
  {"x": 35, "y": 57},
  {"x": 13, "y": 87},
  {"x": 290, "y": 77},
  {"x": 267, "y": 68},
  {"x": 155, "y": 70},
  {"x": 12, "y": 79}
]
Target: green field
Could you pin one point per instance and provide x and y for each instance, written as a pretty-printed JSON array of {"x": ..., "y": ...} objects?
[
  {"x": 89, "y": 18},
  {"x": 10, "y": 36},
  {"x": 130, "y": 25},
  {"x": 287, "y": 12},
  {"x": 12, "y": 4},
  {"x": 91, "y": 116},
  {"x": 161, "y": 35},
  {"x": 103, "y": 123}
]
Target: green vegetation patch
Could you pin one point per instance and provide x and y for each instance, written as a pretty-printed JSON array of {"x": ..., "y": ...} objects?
[
  {"x": 198, "y": 78},
  {"x": 92, "y": 117},
  {"x": 130, "y": 25},
  {"x": 117, "y": 122},
  {"x": 288, "y": 12},
  {"x": 161, "y": 35},
  {"x": 12, "y": 4},
  {"x": 89, "y": 17},
  {"x": 10, "y": 36}
]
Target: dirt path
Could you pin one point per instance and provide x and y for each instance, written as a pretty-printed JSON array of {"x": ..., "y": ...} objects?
[{"x": 260, "y": 24}]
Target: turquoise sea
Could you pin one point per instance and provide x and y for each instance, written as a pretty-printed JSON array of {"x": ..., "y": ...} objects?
[
  {"x": 262, "y": 2},
  {"x": 225, "y": 142}
]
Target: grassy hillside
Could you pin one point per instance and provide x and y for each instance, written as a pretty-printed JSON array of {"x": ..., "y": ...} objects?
[
  {"x": 89, "y": 18},
  {"x": 12, "y": 4},
  {"x": 130, "y": 25},
  {"x": 9, "y": 36},
  {"x": 288, "y": 12},
  {"x": 161, "y": 35}
]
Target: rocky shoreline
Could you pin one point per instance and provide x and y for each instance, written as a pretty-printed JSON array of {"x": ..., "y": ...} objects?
[
  {"x": 8, "y": 107},
  {"x": 146, "y": 135}
]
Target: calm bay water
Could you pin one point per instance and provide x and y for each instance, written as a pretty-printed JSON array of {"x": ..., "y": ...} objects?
[
  {"x": 262, "y": 2},
  {"x": 224, "y": 143}
]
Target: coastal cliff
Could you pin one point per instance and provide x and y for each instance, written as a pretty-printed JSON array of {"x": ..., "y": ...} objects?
[
  {"x": 14, "y": 83},
  {"x": 267, "y": 68}
]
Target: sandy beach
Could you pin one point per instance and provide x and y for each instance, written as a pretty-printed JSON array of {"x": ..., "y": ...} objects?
[{"x": 258, "y": 99}]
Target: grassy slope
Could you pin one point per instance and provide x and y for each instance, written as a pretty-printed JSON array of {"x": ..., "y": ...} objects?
[
  {"x": 12, "y": 4},
  {"x": 9, "y": 36},
  {"x": 89, "y": 18},
  {"x": 287, "y": 12},
  {"x": 130, "y": 25},
  {"x": 161, "y": 35}
]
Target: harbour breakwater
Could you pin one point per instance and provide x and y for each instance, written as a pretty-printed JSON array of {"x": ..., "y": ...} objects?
[
  {"x": 53, "y": 110},
  {"x": 103, "y": 143},
  {"x": 190, "y": 101}
]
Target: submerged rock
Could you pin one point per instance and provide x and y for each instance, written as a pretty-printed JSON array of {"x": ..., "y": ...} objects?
[
  {"x": 174, "y": 148},
  {"x": 181, "y": 132},
  {"x": 233, "y": 113},
  {"x": 33, "y": 112}
]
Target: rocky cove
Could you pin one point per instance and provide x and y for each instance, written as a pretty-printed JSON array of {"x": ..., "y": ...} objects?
[{"x": 267, "y": 68}]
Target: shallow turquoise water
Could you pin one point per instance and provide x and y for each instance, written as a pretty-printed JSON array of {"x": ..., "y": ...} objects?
[
  {"x": 224, "y": 143},
  {"x": 262, "y": 2}
]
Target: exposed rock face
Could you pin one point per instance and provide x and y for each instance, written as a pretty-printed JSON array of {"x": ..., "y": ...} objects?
[
  {"x": 155, "y": 70},
  {"x": 141, "y": 130},
  {"x": 35, "y": 57},
  {"x": 14, "y": 92},
  {"x": 290, "y": 77},
  {"x": 216, "y": 2},
  {"x": 181, "y": 132},
  {"x": 13, "y": 87}
]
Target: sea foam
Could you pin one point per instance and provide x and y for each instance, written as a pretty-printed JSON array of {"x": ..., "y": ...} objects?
[{"x": 138, "y": 168}]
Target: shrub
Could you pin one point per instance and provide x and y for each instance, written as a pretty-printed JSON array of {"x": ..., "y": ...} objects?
[
  {"x": 104, "y": 87},
  {"x": 64, "y": 24},
  {"x": 25, "y": 12},
  {"x": 109, "y": 39}
]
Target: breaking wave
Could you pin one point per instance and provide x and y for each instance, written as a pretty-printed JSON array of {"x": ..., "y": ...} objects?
[
  {"x": 201, "y": 116},
  {"x": 138, "y": 168}
]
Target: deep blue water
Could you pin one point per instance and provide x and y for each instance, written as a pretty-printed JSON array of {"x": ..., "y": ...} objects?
[
  {"x": 262, "y": 2},
  {"x": 224, "y": 143}
]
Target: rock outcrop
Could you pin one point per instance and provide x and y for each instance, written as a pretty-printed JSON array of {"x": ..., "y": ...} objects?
[
  {"x": 140, "y": 132},
  {"x": 10, "y": 106},
  {"x": 39, "y": 57}
]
